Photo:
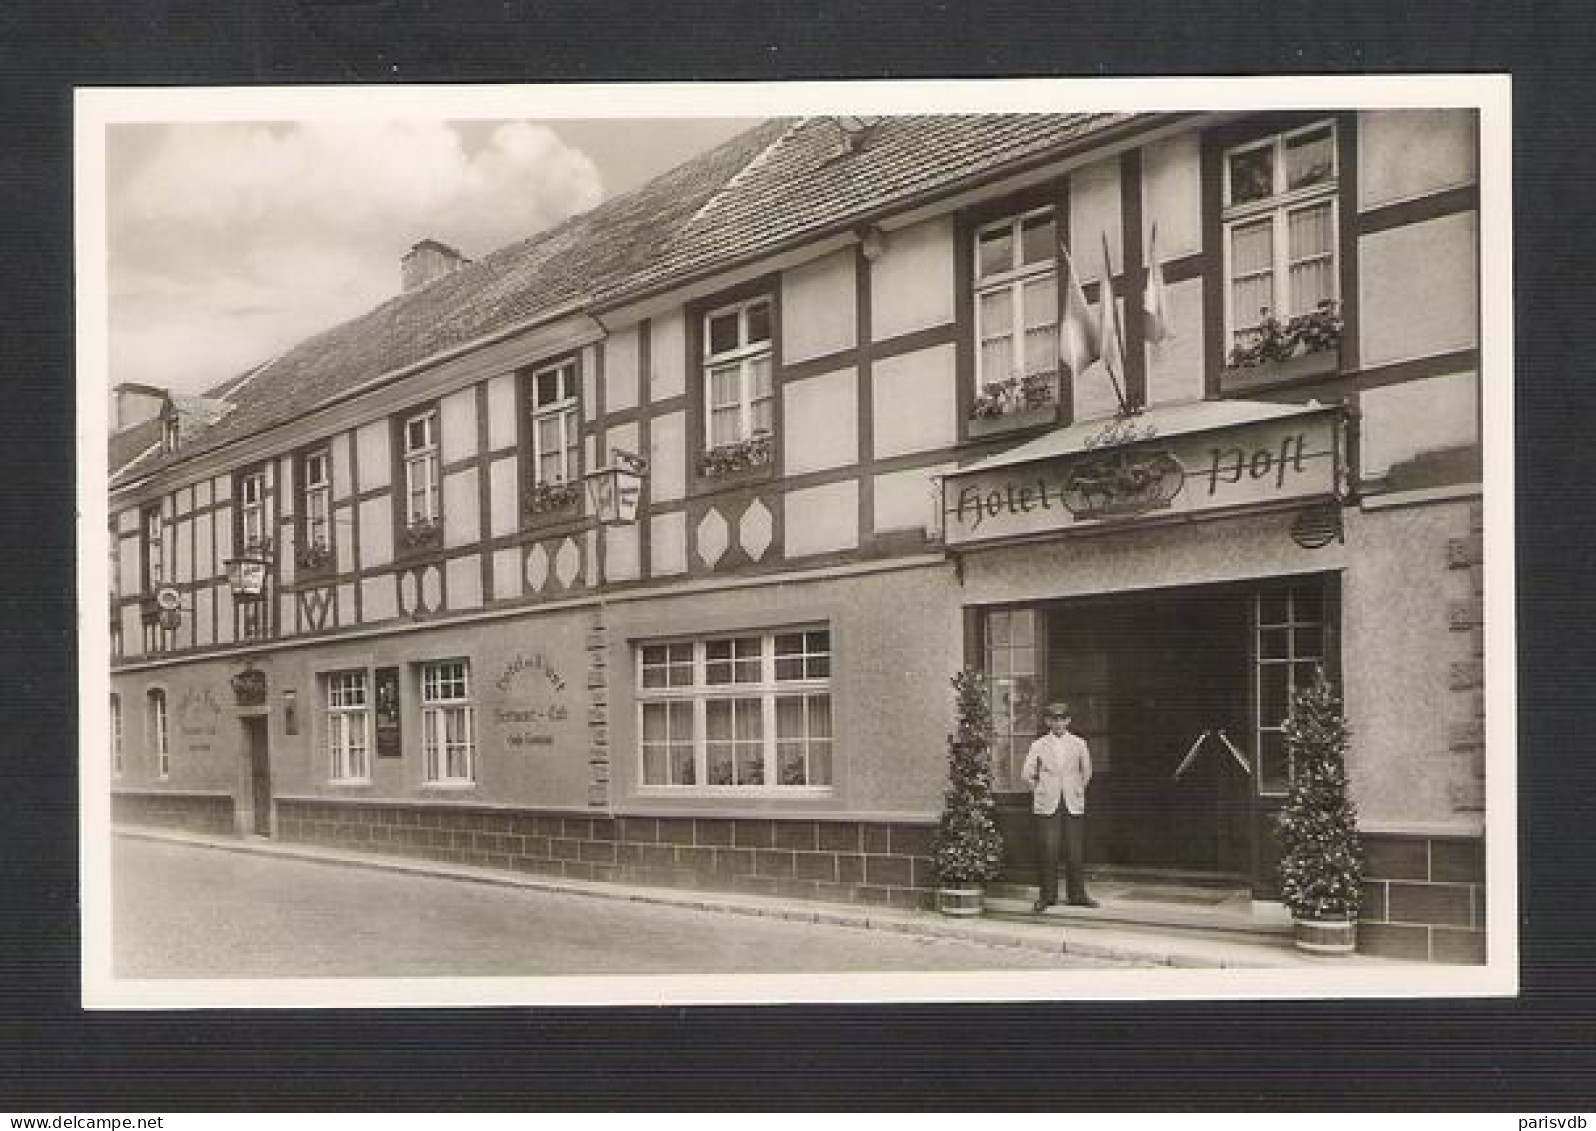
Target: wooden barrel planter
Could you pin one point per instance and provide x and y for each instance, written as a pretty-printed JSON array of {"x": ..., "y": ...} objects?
[
  {"x": 1326, "y": 936},
  {"x": 959, "y": 902}
]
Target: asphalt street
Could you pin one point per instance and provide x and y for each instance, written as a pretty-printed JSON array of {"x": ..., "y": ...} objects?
[{"x": 182, "y": 911}]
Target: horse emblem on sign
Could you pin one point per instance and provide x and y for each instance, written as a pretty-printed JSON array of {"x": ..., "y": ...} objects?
[{"x": 1123, "y": 484}]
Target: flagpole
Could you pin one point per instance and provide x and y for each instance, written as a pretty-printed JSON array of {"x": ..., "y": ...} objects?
[{"x": 1119, "y": 338}]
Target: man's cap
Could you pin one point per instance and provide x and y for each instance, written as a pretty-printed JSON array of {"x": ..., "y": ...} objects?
[{"x": 1056, "y": 711}]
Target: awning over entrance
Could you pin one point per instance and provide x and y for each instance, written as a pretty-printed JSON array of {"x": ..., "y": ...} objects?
[{"x": 1174, "y": 461}]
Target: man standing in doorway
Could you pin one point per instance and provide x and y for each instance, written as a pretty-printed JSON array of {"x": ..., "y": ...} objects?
[{"x": 1058, "y": 768}]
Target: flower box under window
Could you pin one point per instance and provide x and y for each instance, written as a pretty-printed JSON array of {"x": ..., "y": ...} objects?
[
  {"x": 1014, "y": 404},
  {"x": 314, "y": 557},
  {"x": 1302, "y": 347},
  {"x": 739, "y": 458},
  {"x": 546, "y": 501},
  {"x": 421, "y": 534}
]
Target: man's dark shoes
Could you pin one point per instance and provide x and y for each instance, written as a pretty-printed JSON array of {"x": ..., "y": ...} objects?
[{"x": 1040, "y": 906}]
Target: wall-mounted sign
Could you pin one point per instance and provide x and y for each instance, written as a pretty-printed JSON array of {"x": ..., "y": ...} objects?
[
  {"x": 389, "y": 734},
  {"x": 197, "y": 715},
  {"x": 1290, "y": 459}
]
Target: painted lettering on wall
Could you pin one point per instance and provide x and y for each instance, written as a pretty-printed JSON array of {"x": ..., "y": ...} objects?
[
  {"x": 1261, "y": 464},
  {"x": 537, "y": 693}
]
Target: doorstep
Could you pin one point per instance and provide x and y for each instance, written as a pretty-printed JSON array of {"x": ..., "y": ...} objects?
[
  {"x": 1061, "y": 930},
  {"x": 1149, "y": 904}
]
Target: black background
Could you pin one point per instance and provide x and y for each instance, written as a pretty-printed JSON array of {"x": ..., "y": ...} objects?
[{"x": 1532, "y": 1055}]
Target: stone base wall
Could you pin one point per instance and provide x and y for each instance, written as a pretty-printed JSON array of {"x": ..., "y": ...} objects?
[
  {"x": 838, "y": 861},
  {"x": 1423, "y": 898},
  {"x": 192, "y": 812}
]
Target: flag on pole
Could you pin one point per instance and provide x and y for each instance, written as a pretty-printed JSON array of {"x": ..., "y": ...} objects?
[
  {"x": 1078, "y": 344},
  {"x": 1113, "y": 349},
  {"x": 1155, "y": 319}
]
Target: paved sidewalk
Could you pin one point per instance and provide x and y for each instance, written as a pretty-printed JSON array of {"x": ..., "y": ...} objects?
[{"x": 1138, "y": 946}]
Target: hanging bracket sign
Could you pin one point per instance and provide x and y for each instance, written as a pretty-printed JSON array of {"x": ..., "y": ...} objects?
[{"x": 1268, "y": 463}]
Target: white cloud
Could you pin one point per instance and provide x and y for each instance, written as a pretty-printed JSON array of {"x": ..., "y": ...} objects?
[{"x": 230, "y": 242}]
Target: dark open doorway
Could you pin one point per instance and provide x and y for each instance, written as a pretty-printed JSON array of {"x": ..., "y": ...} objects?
[{"x": 260, "y": 776}]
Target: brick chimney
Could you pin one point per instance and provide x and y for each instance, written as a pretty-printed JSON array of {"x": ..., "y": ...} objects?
[{"x": 427, "y": 262}]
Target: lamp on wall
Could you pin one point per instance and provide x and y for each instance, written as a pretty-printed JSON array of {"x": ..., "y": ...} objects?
[
  {"x": 246, "y": 575},
  {"x": 614, "y": 491}
]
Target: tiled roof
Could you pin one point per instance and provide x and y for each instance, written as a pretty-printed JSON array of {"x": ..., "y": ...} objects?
[{"x": 764, "y": 188}]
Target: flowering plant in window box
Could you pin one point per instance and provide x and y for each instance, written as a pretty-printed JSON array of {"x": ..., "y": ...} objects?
[
  {"x": 1317, "y": 331},
  {"x": 738, "y": 455},
  {"x": 421, "y": 532},
  {"x": 313, "y": 555},
  {"x": 550, "y": 498},
  {"x": 1015, "y": 395}
]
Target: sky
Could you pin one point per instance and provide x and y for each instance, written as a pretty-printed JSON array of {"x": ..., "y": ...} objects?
[{"x": 229, "y": 242}]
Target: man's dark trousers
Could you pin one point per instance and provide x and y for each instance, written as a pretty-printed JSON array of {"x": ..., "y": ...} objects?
[{"x": 1069, "y": 830}]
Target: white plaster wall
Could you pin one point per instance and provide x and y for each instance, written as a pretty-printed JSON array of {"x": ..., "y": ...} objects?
[
  {"x": 224, "y": 533},
  {"x": 224, "y": 615},
  {"x": 1175, "y": 365},
  {"x": 204, "y": 547},
  {"x": 221, "y": 487},
  {"x": 204, "y": 626},
  {"x": 462, "y": 517},
  {"x": 667, "y": 356},
  {"x": 1404, "y": 420},
  {"x": 127, "y": 522},
  {"x": 911, "y": 285},
  {"x": 345, "y": 610},
  {"x": 916, "y": 402},
  {"x": 501, "y": 411},
  {"x": 820, "y": 520},
  {"x": 376, "y": 458},
  {"x": 589, "y": 384},
  {"x": 904, "y": 500},
  {"x": 376, "y": 533},
  {"x": 820, "y": 422},
  {"x": 287, "y": 546},
  {"x": 621, "y": 553},
  {"x": 1095, "y": 211},
  {"x": 130, "y": 577},
  {"x": 623, "y": 436},
  {"x": 457, "y": 422},
  {"x": 286, "y": 502},
  {"x": 503, "y": 511},
  {"x": 507, "y": 573},
  {"x": 667, "y": 457},
  {"x": 378, "y": 598},
  {"x": 184, "y": 500},
  {"x": 183, "y": 560},
  {"x": 132, "y": 631},
  {"x": 667, "y": 544},
  {"x": 343, "y": 535},
  {"x": 818, "y": 307},
  {"x": 620, "y": 370},
  {"x": 1418, "y": 289},
  {"x": 1404, "y": 154},
  {"x": 464, "y": 577},
  {"x": 1172, "y": 196},
  {"x": 202, "y": 493}
]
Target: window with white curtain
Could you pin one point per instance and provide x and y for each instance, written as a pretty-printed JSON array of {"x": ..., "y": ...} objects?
[
  {"x": 1280, "y": 223},
  {"x": 739, "y": 389},
  {"x": 734, "y": 713},
  {"x": 448, "y": 740},
  {"x": 421, "y": 467},
  {"x": 348, "y": 727},
  {"x": 556, "y": 436},
  {"x": 1016, "y": 297}
]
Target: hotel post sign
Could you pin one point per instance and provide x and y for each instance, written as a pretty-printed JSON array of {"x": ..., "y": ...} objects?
[{"x": 1290, "y": 460}]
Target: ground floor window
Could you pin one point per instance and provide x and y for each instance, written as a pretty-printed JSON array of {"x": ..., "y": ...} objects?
[
  {"x": 447, "y": 724},
  {"x": 736, "y": 712},
  {"x": 348, "y": 727}
]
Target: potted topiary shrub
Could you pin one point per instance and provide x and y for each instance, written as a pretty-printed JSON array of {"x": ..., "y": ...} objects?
[
  {"x": 1321, "y": 866},
  {"x": 967, "y": 849}
]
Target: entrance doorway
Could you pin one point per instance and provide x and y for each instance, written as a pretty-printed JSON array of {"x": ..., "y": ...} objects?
[
  {"x": 260, "y": 776},
  {"x": 1159, "y": 684},
  {"x": 1180, "y": 694}
]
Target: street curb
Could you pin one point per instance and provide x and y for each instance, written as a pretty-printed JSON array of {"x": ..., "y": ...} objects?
[{"x": 1044, "y": 938}]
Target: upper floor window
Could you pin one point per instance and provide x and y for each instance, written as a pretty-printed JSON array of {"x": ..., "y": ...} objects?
[
  {"x": 555, "y": 434},
  {"x": 154, "y": 548},
  {"x": 116, "y": 735},
  {"x": 1280, "y": 230},
  {"x": 743, "y": 711},
  {"x": 316, "y": 476},
  {"x": 739, "y": 386},
  {"x": 447, "y": 724},
  {"x": 160, "y": 732},
  {"x": 348, "y": 727},
  {"x": 254, "y": 523},
  {"x": 421, "y": 468},
  {"x": 1016, "y": 298}
]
